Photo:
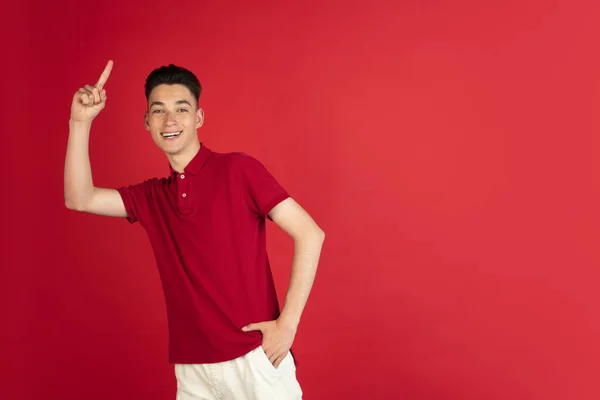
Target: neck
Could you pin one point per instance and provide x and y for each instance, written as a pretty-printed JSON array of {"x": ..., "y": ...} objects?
[{"x": 180, "y": 160}]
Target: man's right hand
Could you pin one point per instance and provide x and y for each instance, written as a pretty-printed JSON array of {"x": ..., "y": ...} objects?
[{"x": 90, "y": 100}]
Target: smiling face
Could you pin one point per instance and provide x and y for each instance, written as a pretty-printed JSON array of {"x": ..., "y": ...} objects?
[{"x": 173, "y": 118}]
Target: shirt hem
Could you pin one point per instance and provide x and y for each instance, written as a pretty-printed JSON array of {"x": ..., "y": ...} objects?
[{"x": 210, "y": 360}]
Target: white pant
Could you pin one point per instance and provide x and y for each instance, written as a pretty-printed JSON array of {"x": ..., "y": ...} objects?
[{"x": 249, "y": 377}]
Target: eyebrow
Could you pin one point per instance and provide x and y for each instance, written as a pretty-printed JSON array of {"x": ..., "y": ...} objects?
[{"x": 160, "y": 103}]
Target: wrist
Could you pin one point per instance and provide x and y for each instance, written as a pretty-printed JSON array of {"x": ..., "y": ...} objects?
[
  {"x": 288, "y": 321},
  {"x": 78, "y": 122}
]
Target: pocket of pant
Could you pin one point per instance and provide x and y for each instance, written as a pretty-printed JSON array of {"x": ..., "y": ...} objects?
[{"x": 266, "y": 363}]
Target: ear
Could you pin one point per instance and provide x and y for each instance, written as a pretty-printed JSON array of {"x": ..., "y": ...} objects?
[
  {"x": 199, "y": 118},
  {"x": 146, "y": 121}
]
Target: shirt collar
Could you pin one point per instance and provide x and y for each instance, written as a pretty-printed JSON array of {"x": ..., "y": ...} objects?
[{"x": 196, "y": 164}]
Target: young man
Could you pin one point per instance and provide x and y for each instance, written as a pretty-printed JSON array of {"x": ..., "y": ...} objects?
[{"x": 206, "y": 223}]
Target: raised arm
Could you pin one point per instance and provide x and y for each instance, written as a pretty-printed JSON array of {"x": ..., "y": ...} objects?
[{"x": 79, "y": 190}]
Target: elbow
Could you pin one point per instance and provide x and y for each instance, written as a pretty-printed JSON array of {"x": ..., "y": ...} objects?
[
  {"x": 73, "y": 205},
  {"x": 313, "y": 236},
  {"x": 319, "y": 235},
  {"x": 322, "y": 234},
  {"x": 70, "y": 205},
  {"x": 77, "y": 200}
]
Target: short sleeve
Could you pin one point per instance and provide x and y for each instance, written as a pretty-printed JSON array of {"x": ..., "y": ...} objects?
[
  {"x": 262, "y": 190},
  {"x": 135, "y": 198}
]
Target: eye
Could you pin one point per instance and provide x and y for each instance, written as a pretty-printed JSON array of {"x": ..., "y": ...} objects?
[
  {"x": 182, "y": 110},
  {"x": 156, "y": 111}
]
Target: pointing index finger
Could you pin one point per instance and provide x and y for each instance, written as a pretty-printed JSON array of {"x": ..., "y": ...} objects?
[{"x": 105, "y": 75}]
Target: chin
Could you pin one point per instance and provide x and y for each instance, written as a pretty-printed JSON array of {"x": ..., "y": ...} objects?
[
  {"x": 169, "y": 147},
  {"x": 172, "y": 150}
]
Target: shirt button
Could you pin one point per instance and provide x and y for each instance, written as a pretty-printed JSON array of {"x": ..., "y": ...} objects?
[
  {"x": 183, "y": 195},
  {"x": 182, "y": 176}
]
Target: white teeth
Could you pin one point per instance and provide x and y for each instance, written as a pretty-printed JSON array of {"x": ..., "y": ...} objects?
[{"x": 170, "y": 135}]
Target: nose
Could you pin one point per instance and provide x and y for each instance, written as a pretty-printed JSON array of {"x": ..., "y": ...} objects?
[{"x": 169, "y": 118}]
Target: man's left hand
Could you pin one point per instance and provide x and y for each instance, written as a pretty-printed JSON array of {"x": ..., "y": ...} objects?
[{"x": 277, "y": 338}]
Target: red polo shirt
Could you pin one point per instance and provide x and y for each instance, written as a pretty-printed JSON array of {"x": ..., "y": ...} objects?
[{"x": 207, "y": 229}]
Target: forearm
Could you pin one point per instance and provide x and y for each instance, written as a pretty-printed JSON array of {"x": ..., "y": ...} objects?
[
  {"x": 307, "y": 252},
  {"x": 78, "y": 183}
]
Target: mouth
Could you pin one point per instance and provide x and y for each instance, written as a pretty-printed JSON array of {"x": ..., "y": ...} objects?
[{"x": 170, "y": 135}]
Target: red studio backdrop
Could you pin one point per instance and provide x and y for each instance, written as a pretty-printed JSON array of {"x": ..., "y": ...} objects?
[{"x": 449, "y": 149}]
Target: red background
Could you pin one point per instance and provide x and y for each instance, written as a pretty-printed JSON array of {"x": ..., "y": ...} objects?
[{"x": 449, "y": 149}]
